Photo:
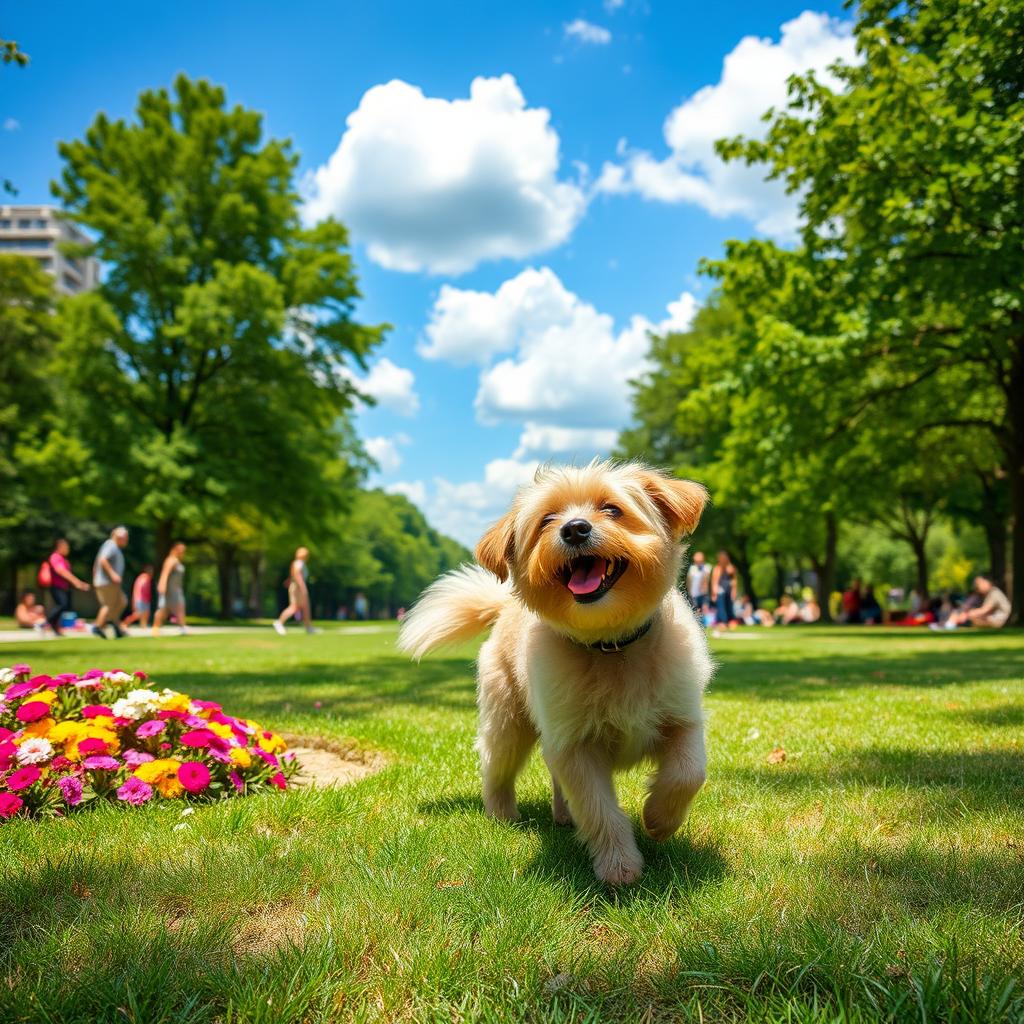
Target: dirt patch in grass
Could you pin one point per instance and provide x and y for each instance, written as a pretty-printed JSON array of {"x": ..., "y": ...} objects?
[{"x": 331, "y": 762}]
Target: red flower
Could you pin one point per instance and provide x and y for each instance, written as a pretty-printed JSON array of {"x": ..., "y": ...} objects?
[
  {"x": 23, "y": 777},
  {"x": 95, "y": 710},
  {"x": 32, "y": 711},
  {"x": 198, "y": 738},
  {"x": 10, "y": 805},
  {"x": 194, "y": 776},
  {"x": 8, "y": 752},
  {"x": 278, "y": 780},
  {"x": 92, "y": 746}
]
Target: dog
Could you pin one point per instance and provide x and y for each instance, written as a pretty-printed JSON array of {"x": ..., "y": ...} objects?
[{"x": 594, "y": 650}]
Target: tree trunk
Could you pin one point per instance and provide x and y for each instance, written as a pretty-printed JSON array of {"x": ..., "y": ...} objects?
[
  {"x": 742, "y": 562},
  {"x": 163, "y": 538},
  {"x": 921, "y": 561},
  {"x": 825, "y": 569},
  {"x": 226, "y": 579},
  {"x": 256, "y": 584},
  {"x": 1017, "y": 538},
  {"x": 780, "y": 575},
  {"x": 995, "y": 537}
]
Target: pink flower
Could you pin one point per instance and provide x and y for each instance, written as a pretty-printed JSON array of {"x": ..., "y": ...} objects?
[
  {"x": 140, "y": 675},
  {"x": 65, "y": 679},
  {"x": 71, "y": 789},
  {"x": 266, "y": 755},
  {"x": 206, "y": 705},
  {"x": 32, "y": 711},
  {"x": 164, "y": 715},
  {"x": 194, "y": 776},
  {"x": 133, "y": 758},
  {"x": 8, "y": 752},
  {"x": 22, "y": 670},
  {"x": 60, "y": 763},
  {"x": 23, "y": 777},
  {"x": 93, "y": 673},
  {"x": 150, "y": 728},
  {"x": 236, "y": 781},
  {"x": 95, "y": 710},
  {"x": 220, "y": 755},
  {"x": 195, "y": 722},
  {"x": 10, "y": 805},
  {"x": 165, "y": 746},
  {"x": 278, "y": 780},
  {"x": 135, "y": 791},
  {"x": 198, "y": 738},
  {"x": 5, "y": 734},
  {"x": 41, "y": 681},
  {"x": 93, "y": 746},
  {"x": 16, "y": 690},
  {"x": 103, "y": 761}
]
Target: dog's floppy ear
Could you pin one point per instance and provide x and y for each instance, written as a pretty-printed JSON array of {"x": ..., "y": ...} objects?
[
  {"x": 495, "y": 549},
  {"x": 679, "y": 501}
]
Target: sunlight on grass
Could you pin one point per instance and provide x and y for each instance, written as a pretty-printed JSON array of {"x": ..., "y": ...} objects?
[{"x": 878, "y": 872}]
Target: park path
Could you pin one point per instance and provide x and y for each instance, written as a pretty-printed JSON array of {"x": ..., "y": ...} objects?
[{"x": 20, "y": 636}]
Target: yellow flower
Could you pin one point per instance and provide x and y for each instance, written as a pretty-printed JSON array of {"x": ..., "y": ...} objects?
[
  {"x": 175, "y": 701},
  {"x": 221, "y": 730},
  {"x": 272, "y": 744},
  {"x": 67, "y": 731},
  {"x": 47, "y": 696},
  {"x": 241, "y": 756},
  {"x": 103, "y": 721},
  {"x": 41, "y": 727},
  {"x": 162, "y": 773}
]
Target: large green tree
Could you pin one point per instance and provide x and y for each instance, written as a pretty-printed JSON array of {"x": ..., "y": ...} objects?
[
  {"x": 910, "y": 179},
  {"x": 212, "y": 361}
]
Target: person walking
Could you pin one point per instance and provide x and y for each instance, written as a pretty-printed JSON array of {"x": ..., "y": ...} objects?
[
  {"x": 142, "y": 598},
  {"x": 298, "y": 593},
  {"x": 171, "y": 590},
  {"x": 56, "y": 576},
  {"x": 698, "y": 581},
  {"x": 723, "y": 589},
  {"x": 107, "y": 577}
]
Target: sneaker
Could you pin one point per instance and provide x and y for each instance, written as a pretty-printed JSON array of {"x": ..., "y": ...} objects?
[
  {"x": 183, "y": 631},
  {"x": 312, "y": 629},
  {"x": 279, "y": 629},
  {"x": 119, "y": 632},
  {"x": 96, "y": 631}
]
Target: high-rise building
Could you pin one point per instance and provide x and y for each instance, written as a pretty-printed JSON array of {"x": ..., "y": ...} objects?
[{"x": 36, "y": 231}]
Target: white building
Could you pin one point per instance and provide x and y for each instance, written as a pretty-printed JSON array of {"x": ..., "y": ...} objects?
[{"x": 36, "y": 231}]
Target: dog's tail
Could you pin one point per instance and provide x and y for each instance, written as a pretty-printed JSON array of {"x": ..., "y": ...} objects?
[{"x": 457, "y": 607}]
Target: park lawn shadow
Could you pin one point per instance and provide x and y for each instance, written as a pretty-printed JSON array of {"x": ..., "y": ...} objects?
[{"x": 680, "y": 866}]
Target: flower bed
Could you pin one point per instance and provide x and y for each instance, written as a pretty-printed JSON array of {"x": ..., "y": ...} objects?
[{"x": 68, "y": 740}]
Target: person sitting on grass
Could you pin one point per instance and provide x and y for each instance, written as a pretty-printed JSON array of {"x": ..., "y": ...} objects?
[
  {"x": 788, "y": 611},
  {"x": 29, "y": 613},
  {"x": 870, "y": 613},
  {"x": 992, "y": 613},
  {"x": 852, "y": 601}
]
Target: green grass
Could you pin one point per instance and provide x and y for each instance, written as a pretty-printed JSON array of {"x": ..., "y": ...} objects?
[{"x": 878, "y": 874}]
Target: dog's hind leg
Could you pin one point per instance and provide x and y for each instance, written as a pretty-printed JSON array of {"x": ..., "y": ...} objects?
[
  {"x": 506, "y": 738},
  {"x": 560, "y": 812}
]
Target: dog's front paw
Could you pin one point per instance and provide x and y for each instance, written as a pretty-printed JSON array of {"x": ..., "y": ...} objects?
[
  {"x": 661, "y": 822},
  {"x": 619, "y": 866}
]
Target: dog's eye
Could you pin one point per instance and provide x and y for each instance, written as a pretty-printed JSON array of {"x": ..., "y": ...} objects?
[
  {"x": 548, "y": 519},
  {"x": 613, "y": 510}
]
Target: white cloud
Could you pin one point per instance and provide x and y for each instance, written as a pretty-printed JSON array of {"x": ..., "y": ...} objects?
[
  {"x": 611, "y": 6},
  {"x": 393, "y": 387},
  {"x": 754, "y": 76},
  {"x": 414, "y": 490},
  {"x": 11, "y": 124},
  {"x": 438, "y": 185},
  {"x": 587, "y": 32},
  {"x": 543, "y": 439},
  {"x": 384, "y": 451}
]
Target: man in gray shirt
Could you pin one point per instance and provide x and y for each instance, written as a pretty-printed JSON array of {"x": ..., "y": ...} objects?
[{"x": 107, "y": 575}]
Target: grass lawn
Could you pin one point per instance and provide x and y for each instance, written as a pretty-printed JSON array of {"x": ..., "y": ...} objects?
[{"x": 878, "y": 873}]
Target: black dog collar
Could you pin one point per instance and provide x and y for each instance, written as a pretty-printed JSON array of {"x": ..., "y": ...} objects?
[{"x": 611, "y": 646}]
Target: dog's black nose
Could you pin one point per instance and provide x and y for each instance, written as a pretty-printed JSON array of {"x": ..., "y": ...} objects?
[{"x": 576, "y": 531}]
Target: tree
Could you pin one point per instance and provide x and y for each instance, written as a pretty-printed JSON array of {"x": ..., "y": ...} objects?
[
  {"x": 215, "y": 352},
  {"x": 910, "y": 180}
]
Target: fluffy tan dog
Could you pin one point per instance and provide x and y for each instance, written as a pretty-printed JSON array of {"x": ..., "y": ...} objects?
[{"x": 594, "y": 650}]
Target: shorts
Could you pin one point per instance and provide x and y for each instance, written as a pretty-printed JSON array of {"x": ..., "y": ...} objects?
[
  {"x": 294, "y": 594},
  {"x": 112, "y": 597},
  {"x": 174, "y": 598},
  {"x": 142, "y": 607}
]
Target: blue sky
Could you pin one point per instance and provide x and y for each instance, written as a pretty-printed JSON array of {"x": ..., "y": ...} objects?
[{"x": 522, "y": 257}]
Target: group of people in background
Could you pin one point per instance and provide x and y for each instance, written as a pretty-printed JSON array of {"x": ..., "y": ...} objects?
[{"x": 108, "y": 580}]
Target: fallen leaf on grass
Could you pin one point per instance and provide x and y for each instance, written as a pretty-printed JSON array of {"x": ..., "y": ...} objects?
[
  {"x": 777, "y": 756},
  {"x": 453, "y": 883}
]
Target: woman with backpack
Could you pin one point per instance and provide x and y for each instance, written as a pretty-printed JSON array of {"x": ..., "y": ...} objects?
[{"x": 56, "y": 576}]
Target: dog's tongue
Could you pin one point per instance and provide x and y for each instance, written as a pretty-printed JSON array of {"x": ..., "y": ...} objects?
[{"x": 587, "y": 578}]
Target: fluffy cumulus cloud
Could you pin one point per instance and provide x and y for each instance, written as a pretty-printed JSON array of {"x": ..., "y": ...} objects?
[
  {"x": 550, "y": 363},
  {"x": 385, "y": 451},
  {"x": 754, "y": 76},
  {"x": 392, "y": 387},
  {"x": 587, "y": 32},
  {"x": 442, "y": 185},
  {"x": 11, "y": 124},
  {"x": 565, "y": 364}
]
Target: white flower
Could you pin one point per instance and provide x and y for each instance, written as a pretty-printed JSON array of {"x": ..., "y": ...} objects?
[
  {"x": 7, "y": 676},
  {"x": 119, "y": 678},
  {"x": 124, "y": 708},
  {"x": 35, "y": 750}
]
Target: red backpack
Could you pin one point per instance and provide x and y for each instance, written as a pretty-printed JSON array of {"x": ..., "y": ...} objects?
[{"x": 45, "y": 575}]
